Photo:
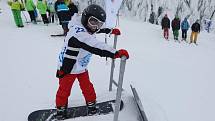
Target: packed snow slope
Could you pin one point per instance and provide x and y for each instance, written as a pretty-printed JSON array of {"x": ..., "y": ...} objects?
[{"x": 175, "y": 81}]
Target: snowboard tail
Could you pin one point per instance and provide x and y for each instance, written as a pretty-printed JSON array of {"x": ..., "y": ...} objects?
[{"x": 73, "y": 112}]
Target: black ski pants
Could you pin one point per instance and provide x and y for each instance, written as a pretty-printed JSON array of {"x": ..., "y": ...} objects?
[
  {"x": 32, "y": 16},
  {"x": 44, "y": 18},
  {"x": 184, "y": 33}
]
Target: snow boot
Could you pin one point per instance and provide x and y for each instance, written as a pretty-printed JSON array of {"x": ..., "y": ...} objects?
[
  {"x": 91, "y": 108},
  {"x": 61, "y": 113}
]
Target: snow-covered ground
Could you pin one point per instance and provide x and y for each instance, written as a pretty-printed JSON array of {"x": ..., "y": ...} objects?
[{"x": 175, "y": 81}]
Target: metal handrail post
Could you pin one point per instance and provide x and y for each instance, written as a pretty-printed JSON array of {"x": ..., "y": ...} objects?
[
  {"x": 112, "y": 65},
  {"x": 119, "y": 89}
]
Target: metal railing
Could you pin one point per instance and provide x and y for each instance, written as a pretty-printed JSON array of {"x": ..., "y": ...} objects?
[
  {"x": 120, "y": 82},
  {"x": 119, "y": 88}
]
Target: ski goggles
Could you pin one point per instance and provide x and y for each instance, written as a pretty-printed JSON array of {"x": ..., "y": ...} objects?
[{"x": 95, "y": 23}]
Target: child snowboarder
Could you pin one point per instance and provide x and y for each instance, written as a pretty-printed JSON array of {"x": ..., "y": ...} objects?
[
  {"x": 165, "y": 23},
  {"x": 176, "y": 27},
  {"x": 80, "y": 43},
  {"x": 42, "y": 7},
  {"x": 16, "y": 8},
  {"x": 184, "y": 27},
  {"x": 195, "y": 31}
]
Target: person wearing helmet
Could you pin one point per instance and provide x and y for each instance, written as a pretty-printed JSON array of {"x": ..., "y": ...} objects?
[{"x": 80, "y": 43}]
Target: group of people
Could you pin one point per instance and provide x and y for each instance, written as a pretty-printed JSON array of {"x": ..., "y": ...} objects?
[
  {"x": 176, "y": 25},
  {"x": 64, "y": 9}
]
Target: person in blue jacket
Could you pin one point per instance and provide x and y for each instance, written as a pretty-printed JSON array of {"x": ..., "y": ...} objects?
[{"x": 184, "y": 28}]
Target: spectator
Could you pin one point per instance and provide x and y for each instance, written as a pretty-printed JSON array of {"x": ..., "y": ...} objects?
[
  {"x": 165, "y": 23},
  {"x": 42, "y": 7},
  {"x": 184, "y": 27},
  {"x": 30, "y": 6},
  {"x": 176, "y": 27},
  {"x": 195, "y": 31},
  {"x": 16, "y": 8}
]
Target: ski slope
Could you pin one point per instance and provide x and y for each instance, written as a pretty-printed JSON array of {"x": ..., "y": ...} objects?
[{"x": 175, "y": 81}]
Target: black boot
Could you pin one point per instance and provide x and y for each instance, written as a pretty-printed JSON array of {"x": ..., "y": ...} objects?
[
  {"x": 61, "y": 113},
  {"x": 91, "y": 108}
]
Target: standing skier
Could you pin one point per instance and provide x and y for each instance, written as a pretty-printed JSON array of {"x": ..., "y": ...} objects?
[
  {"x": 176, "y": 27},
  {"x": 195, "y": 31},
  {"x": 16, "y": 8},
  {"x": 184, "y": 27},
  {"x": 80, "y": 43},
  {"x": 42, "y": 7},
  {"x": 165, "y": 23},
  {"x": 30, "y": 6},
  {"x": 64, "y": 14},
  {"x": 51, "y": 11}
]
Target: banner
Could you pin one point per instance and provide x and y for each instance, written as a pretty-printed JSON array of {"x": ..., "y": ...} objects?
[{"x": 112, "y": 7}]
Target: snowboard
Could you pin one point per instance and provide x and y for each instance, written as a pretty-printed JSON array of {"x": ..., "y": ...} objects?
[{"x": 73, "y": 112}]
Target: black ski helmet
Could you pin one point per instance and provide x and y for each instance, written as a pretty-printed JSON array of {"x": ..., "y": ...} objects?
[{"x": 95, "y": 11}]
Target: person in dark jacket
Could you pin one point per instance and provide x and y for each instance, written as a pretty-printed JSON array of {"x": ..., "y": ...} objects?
[
  {"x": 195, "y": 31},
  {"x": 64, "y": 14},
  {"x": 175, "y": 27},
  {"x": 184, "y": 27},
  {"x": 165, "y": 23},
  {"x": 73, "y": 8}
]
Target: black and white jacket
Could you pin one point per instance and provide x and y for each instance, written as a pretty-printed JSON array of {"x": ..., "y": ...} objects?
[{"x": 78, "y": 48}]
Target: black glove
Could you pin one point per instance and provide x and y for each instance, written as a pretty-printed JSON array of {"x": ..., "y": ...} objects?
[
  {"x": 105, "y": 30},
  {"x": 60, "y": 74}
]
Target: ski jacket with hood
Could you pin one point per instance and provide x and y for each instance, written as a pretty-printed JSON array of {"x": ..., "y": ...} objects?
[
  {"x": 185, "y": 25},
  {"x": 175, "y": 24},
  {"x": 62, "y": 11},
  {"x": 42, "y": 6},
  {"x": 16, "y": 5},
  {"x": 196, "y": 27},
  {"x": 29, "y": 5},
  {"x": 78, "y": 48},
  {"x": 165, "y": 23}
]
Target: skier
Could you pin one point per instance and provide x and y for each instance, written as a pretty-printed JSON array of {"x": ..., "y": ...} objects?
[
  {"x": 64, "y": 14},
  {"x": 184, "y": 27},
  {"x": 30, "y": 6},
  {"x": 80, "y": 43},
  {"x": 195, "y": 31},
  {"x": 42, "y": 7},
  {"x": 51, "y": 11},
  {"x": 176, "y": 27},
  {"x": 16, "y": 8},
  {"x": 165, "y": 23}
]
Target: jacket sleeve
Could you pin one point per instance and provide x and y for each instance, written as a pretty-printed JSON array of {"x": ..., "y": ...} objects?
[
  {"x": 94, "y": 47},
  {"x": 104, "y": 30}
]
